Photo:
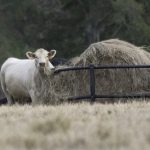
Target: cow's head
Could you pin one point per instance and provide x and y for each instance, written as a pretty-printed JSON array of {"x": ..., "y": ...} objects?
[{"x": 42, "y": 57}]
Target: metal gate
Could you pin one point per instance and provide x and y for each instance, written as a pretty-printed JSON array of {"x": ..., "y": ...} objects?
[{"x": 92, "y": 95}]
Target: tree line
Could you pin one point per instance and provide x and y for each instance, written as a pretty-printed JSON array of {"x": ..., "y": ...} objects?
[{"x": 69, "y": 26}]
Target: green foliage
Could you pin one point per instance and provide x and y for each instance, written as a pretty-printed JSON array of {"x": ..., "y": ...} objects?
[
  {"x": 128, "y": 18},
  {"x": 70, "y": 26}
]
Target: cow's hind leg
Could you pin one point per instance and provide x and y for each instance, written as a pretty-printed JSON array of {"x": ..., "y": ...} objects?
[{"x": 10, "y": 99}]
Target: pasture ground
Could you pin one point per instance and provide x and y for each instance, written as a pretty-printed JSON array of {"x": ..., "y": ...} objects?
[{"x": 121, "y": 126}]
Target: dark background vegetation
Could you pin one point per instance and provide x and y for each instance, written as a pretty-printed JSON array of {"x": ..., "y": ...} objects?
[{"x": 69, "y": 26}]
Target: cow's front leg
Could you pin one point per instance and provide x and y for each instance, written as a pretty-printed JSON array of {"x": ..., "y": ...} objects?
[{"x": 35, "y": 97}]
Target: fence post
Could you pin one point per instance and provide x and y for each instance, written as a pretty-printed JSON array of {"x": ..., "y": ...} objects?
[{"x": 92, "y": 82}]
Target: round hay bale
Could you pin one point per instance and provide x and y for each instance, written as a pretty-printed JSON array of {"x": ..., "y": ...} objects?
[{"x": 109, "y": 52}]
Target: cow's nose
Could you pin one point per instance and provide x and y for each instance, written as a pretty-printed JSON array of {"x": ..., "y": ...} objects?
[{"x": 42, "y": 64}]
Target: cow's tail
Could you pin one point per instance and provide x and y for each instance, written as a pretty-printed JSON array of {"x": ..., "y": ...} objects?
[{"x": 3, "y": 86}]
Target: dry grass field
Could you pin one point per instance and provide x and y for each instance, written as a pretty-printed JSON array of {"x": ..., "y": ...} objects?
[{"x": 120, "y": 126}]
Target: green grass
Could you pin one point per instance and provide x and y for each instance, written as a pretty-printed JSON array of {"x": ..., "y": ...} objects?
[{"x": 76, "y": 126}]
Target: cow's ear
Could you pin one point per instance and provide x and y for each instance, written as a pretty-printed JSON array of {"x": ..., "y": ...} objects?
[
  {"x": 30, "y": 55},
  {"x": 51, "y": 54}
]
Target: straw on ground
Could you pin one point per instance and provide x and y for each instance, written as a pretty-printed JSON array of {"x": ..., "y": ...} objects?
[{"x": 76, "y": 126}]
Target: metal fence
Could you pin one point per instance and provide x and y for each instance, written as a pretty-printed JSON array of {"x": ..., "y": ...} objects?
[{"x": 92, "y": 95}]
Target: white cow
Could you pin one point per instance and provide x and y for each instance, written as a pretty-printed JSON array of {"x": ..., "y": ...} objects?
[{"x": 20, "y": 77}]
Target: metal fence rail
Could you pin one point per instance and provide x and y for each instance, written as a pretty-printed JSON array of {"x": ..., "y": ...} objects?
[{"x": 92, "y": 96}]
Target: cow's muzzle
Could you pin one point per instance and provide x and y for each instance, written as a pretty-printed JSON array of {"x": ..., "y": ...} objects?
[{"x": 42, "y": 64}]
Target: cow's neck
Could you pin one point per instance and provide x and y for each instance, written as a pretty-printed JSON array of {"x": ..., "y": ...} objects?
[{"x": 40, "y": 74}]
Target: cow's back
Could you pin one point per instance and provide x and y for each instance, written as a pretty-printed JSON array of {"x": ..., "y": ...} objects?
[{"x": 17, "y": 74}]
